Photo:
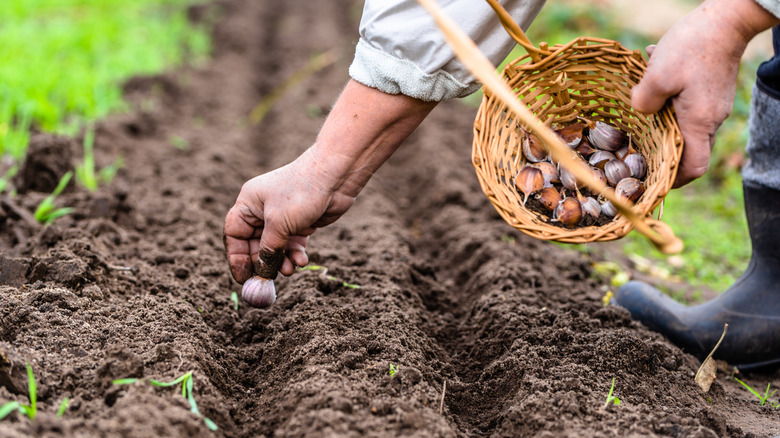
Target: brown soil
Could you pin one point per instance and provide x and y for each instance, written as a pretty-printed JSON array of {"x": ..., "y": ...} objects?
[{"x": 134, "y": 283}]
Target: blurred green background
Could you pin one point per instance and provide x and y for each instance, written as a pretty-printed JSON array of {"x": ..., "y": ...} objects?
[{"x": 62, "y": 62}]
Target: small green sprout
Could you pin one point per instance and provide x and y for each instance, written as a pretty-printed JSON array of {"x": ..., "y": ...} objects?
[
  {"x": 762, "y": 397},
  {"x": 63, "y": 407},
  {"x": 46, "y": 212},
  {"x": 179, "y": 142},
  {"x": 8, "y": 175},
  {"x": 611, "y": 398},
  {"x": 234, "y": 299},
  {"x": 393, "y": 370},
  {"x": 32, "y": 393},
  {"x": 186, "y": 392},
  {"x": 85, "y": 172},
  {"x": 324, "y": 274}
]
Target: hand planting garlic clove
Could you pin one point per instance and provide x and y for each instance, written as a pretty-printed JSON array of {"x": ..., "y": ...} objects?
[{"x": 259, "y": 292}]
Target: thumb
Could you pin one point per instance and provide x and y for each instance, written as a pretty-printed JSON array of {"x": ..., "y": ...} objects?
[
  {"x": 271, "y": 255},
  {"x": 651, "y": 93}
]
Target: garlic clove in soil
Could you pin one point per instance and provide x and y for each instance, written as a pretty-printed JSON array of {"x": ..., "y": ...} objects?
[{"x": 259, "y": 292}]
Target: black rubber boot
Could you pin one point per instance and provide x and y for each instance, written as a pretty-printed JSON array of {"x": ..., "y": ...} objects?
[{"x": 751, "y": 306}]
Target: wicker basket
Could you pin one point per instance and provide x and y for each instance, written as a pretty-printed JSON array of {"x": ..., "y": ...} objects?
[{"x": 587, "y": 77}]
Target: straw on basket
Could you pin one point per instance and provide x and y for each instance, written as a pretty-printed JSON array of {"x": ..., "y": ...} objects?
[{"x": 588, "y": 77}]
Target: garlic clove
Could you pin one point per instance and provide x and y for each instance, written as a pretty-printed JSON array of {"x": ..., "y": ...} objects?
[
  {"x": 607, "y": 137},
  {"x": 607, "y": 209},
  {"x": 584, "y": 148},
  {"x": 600, "y": 158},
  {"x": 529, "y": 180},
  {"x": 549, "y": 171},
  {"x": 630, "y": 189},
  {"x": 590, "y": 207},
  {"x": 599, "y": 175},
  {"x": 568, "y": 212},
  {"x": 549, "y": 198},
  {"x": 259, "y": 292},
  {"x": 637, "y": 165},
  {"x": 533, "y": 150},
  {"x": 616, "y": 171},
  {"x": 568, "y": 179},
  {"x": 571, "y": 134}
]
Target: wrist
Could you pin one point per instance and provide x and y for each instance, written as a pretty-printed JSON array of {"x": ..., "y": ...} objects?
[{"x": 741, "y": 20}]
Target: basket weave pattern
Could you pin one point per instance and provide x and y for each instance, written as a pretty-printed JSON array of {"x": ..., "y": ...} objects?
[{"x": 588, "y": 77}]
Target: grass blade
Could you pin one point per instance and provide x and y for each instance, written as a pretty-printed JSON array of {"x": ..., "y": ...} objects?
[
  {"x": 210, "y": 424},
  {"x": 32, "y": 389},
  {"x": 124, "y": 381},
  {"x": 63, "y": 407},
  {"x": 9, "y": 407},
  {"x": 175, "y": 382}
]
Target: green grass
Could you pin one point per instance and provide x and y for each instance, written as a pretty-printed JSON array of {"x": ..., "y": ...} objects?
[
  {"x": 47, "y": 212},
  {"x": 186, "y": 392},
  {"x": 63, "y": 61}
]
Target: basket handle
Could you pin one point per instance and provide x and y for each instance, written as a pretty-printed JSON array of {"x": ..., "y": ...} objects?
[
  {"x": 661, "y": 235},
  {"x": 515, "y": 31}
]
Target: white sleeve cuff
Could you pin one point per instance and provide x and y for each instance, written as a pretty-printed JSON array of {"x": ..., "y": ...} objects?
[
  {"x": 773, "y": 6},
  {"x": 377, "y": 69}
]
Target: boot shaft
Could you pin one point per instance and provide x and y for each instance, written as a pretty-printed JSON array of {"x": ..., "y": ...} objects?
[{"x": 762, "y": 208}]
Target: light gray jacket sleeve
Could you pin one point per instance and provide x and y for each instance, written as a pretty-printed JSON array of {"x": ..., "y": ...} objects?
[
  {"x": 402, "y": 51},
  {"x": 772, "y": 6}
]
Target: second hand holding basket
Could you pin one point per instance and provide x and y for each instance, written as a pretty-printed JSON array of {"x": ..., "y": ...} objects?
[{"x": 586, "y": 77}]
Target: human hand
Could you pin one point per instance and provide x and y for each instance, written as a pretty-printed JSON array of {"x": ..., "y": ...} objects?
[
  {"x": 280, "y": 210},
  {"x": 695, "y": 65}
]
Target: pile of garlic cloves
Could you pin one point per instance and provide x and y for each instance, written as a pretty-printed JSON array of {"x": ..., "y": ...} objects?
[{"x": 554, "y": 191}]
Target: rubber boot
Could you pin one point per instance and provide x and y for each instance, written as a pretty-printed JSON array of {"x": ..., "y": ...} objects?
[{"x": 751, "y": 306}]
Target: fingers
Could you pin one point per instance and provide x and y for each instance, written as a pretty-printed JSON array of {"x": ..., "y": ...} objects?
[
  {"x": 698, "y": 128},
  {"x": 236, "y": 236},
  {"x": 650, "y": 49}
]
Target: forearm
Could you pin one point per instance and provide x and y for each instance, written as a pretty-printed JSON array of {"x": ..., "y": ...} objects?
[{"x": 362, "y": 131}]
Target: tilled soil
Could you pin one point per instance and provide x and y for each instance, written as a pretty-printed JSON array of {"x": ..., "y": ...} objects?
[{"x": 493, "y": 333}]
